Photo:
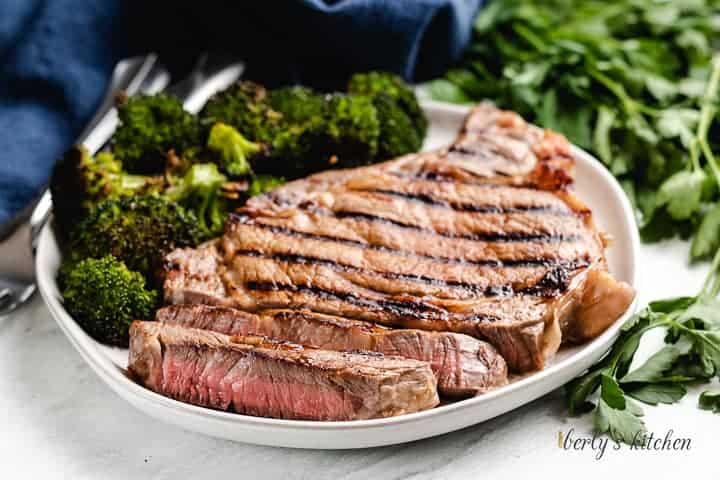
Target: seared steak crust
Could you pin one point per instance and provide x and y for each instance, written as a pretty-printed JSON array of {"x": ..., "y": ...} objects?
[
  {"x": 262, "y": 377},
  {"x": 463, "y": 365},
  {"x": 482, "y": 238}
]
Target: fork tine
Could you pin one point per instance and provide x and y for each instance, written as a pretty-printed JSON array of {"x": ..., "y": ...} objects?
[
  {"x": 12, "y": 298},
  {"x": 5, "y": 294},
  {"x": 5, "y": 297}
]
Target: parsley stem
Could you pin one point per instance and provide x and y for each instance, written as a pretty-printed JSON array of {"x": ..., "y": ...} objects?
[
  {"x": 617, "y": 89},
  {"x": 707, "y": 114},
  {"x": 526, "y": 33},
  {"x": 695, "y": 156},
  {"x": 711, "y": 286},
  {"x": 664, "y": 321}
]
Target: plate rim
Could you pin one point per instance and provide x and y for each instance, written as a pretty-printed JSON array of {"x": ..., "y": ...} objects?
[{"x": 120, "y": 382}]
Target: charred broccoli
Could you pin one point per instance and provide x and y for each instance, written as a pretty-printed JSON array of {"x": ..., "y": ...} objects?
[
  {"x": 297, "y": 104},
  {"x": 398, "y": 135},
  {"x": 79, "y": 181},
  {"x": 375, "y": 83},
  {"x": 301, "y": 131},
  {"x": 232, "y": 149},
  {"x": 151, "y": 126},
  {"x": 104, "y": 297},
  {"x": 350, "y": 123},
  {"x": 245, "y": 107},
  {"x": 201, "y": 191},
  {"x": 342, "y": 133},
  {"x": 138, "y": 231}
]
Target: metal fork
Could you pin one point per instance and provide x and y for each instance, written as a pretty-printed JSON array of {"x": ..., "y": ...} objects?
[{"x": 210, "y": 74}]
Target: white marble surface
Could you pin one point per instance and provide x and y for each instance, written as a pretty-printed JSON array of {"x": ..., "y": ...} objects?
[{"x": 58, "y": 421}]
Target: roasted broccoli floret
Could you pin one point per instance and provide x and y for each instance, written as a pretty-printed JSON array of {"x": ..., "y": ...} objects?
[
  {"x": 375, "y": 83},
  {"x": 297, "y": 104},
  {"x": 344, "y": 134},
  {"x": 79, "y": 181},
  {"x": 301, "y": 132},
  {"x": 138, "y": 231},
  {"x": 402, "y": 123},
  {"x": 200, "y": 191},
  {"x": 245, "y": 107},
  {"x": 151, "y": 126},
  {"x": 349, "y": 132},
  {"x": 398, "y": 136},
  {"x": 104, "y": 297},
  {"x": 263, "y": 183},
  {"x": 232, "y": 149}
]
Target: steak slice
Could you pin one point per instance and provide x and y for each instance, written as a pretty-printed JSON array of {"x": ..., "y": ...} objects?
[
  {"x": 463, "y": 365},
  {"x": 258, "y": 376},
  {"x": 483, "y": 238}
]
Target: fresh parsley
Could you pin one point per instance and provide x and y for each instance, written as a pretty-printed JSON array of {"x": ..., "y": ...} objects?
[
  {"x": 691, "y": 355},
  {"x": 710, "y": 400},
  {"x": 633, "y": 81}
]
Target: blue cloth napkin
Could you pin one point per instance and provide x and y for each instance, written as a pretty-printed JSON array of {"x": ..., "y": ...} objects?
[{"x": 56, "y": 57}]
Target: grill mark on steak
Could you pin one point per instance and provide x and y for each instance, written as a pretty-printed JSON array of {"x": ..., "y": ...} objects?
[
  {"x": 489, "y": 291},
  {"x": 505, "y": 222},
  {"x": 545, "y": 237},
  {"x": 553, "y": 283},
  {"x": 478, "y": 151},
  {"x": 471, "y": 152},
  {"x": 406, "y": 308},
  {"x": 439, "y": 177},
  {"x": 470, "y": 207},
  {"x": 524, "y": 262}
]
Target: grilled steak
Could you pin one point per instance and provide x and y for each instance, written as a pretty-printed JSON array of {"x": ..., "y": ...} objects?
[
  {"x": 258, "y": 376},
  {"x": 463, "y": 365},
  {"x": 483, "y": 238}
]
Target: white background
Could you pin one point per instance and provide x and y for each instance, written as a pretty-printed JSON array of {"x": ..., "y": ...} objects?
[{"x": 58, "y": 421}]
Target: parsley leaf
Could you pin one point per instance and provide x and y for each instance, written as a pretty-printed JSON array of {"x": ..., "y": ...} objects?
[
  {"x": 710, "y": 400},
  {"x": 654, "y": 393},
  {"x": 681, "y": 193},
  {"x": 578, "y": 391},
  {"x": 611, "y": 394},
  {"x": 707, "y": 237},
  {"x": 654, "y": 367},
  {"x": 691, "y": 354},
  {"x": 622, "y": 425},
  {"x": 601, "y": 135}
]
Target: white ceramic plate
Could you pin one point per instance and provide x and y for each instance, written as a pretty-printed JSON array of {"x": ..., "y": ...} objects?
[{"x": 595, "y": 185}]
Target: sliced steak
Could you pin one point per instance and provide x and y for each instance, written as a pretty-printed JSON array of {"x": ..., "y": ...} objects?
[
  {"x": 258, "y": 376},
  {"x": 483, "y": 238},
  {"x": 463, "y": 365}
]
